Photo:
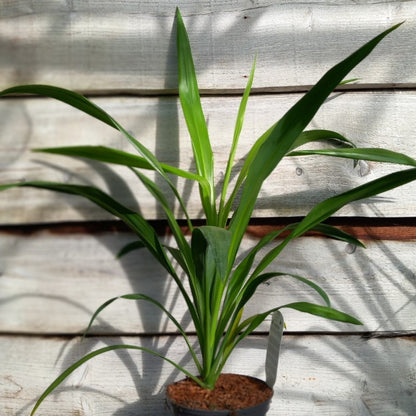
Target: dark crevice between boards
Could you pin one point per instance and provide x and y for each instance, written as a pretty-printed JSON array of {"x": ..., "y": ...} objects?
[
  {"x": 367, "y": 335},
  {"x": 399, "y": 229},
  {"x": 220, "y": 92}
]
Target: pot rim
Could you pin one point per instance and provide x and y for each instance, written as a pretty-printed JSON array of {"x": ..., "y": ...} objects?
[{"x": 219, "y": 412}]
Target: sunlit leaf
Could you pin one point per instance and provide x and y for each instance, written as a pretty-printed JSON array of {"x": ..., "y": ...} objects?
[
  {"x": 100, "y": 351},
  {"x": 286, "y": 131},
  {"x": 374, "y": 155},
  {"x": 195, "y": 119},
  {"x": 119, "y": 157}
]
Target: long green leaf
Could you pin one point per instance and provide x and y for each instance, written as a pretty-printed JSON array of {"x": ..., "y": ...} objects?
[
  {"x": 134, "y": 245},
  {"x": 251, "y": 323},
  {"x": 141, "y": 296},
  {"x": 69, "y": 97},
  {"x": 286, "y": 131},
  {"x": 251, "y": 286},
  {"x": 194, "y": 117},
  {"x": 244, "y": 170},
  {"x": 100, "y": 351},
  {"x": 119, "y": 157},
  {"x": 210, "y": 247},
  {"x": 323, "y": 311},
  {"x": 157, "y": 193},
  {"x": 223, "y": 213},
  {"x": 82, "y": 103},
  {"x": 320, "y": 135},
  {"x": 217, "y": 241},
  {"x": 304, "y": 138},
  {"x": 337, "y": 234},
  {"x": 134, "y": 220},
  {"x": 328, "y": 207},
  {"x": 370, "y": 154}
]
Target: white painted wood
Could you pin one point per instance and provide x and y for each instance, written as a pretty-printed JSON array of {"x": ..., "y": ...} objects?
[
  {"x": 52, "y": 284},
  {"x": 320, "y": 375},
  {"x": 377, "y": 119},
  {"x": 116, "y": 45}
]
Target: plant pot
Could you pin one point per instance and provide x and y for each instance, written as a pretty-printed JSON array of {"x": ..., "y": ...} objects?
[{"x": 234, "y": 395}]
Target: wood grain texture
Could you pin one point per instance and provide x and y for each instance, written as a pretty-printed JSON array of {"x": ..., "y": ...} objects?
[
  {"x": 122, "y": 53},
  {"x": 323, "y": 375},
  {"x": 130, "y": 45},
  {"x": 51, "y": 284},
  {"x": 370, "y": 119}
]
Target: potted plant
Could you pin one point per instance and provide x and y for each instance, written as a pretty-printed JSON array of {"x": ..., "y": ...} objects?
[{"x": 220, "y": 283}]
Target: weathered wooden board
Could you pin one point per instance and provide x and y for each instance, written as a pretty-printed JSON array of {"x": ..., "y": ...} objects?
[
  {"x": 379, "y": 119},
  {"x": 52, "y": 283},
  {"x": 130, "y": 45},
  {"x": 52, "y": 278},
  {"x": 323, "y": 375}
]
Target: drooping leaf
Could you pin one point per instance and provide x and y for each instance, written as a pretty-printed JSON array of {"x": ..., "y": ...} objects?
[
  {"x": 100, "y": 351},
  {"x": 141, "y": 296},
  {"x": 310, "y": 136},
  {"x": 134, "y": 245},
  {"x": 67, "y": 96},
  {"x": 119, "y": 157},
  {"x": 323, "y": 311},
  {"x": 253, "y": 283},
  {"x": 132, "y": 219},
  {"x": 82, "y": 103},
  {"x": 160, "y": 197},
  {"x": 337, "y": 234},
  {"x": 370, "y": 154},
  {"x": 326, "y": 208}
]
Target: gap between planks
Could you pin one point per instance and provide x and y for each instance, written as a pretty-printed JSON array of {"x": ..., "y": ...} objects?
[
  {"x": 295, "y": 89},
  {"x": 366, "y": 335},
  {"x": 397, "y": 229}
]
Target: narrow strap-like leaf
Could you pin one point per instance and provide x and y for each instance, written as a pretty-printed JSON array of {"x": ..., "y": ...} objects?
[
  {"x": 370, "y": 154},
  {"x": 326, "y": 208},
  {"x": 69, "y": 97},
  {"x": 310, "y": 136},
  {"x": 323, "y": 311},
  {"x": 100, "y": 351},
  {"x": 82, "y": 103},
  {"x": 133, "y": 219},
  {"x": 119, "y": 157},
  {"x": 157, "y": 193},
  {"x": 253, "y": 283},
  {"x": 141, "y": 296},
  {"x": 195, "y": 119},
  {"x": 223, "y": 211},
  {"x": 280, "y": 140},
  {"x": 134, "y": 245},
  {"x": 337, "y": 234}
]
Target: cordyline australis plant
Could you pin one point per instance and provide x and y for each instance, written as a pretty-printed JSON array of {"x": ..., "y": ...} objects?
[{"x": 220, "y": 285}]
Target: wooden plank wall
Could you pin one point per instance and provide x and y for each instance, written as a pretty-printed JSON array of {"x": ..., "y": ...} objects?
[{"x": 57, "y": 254}]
